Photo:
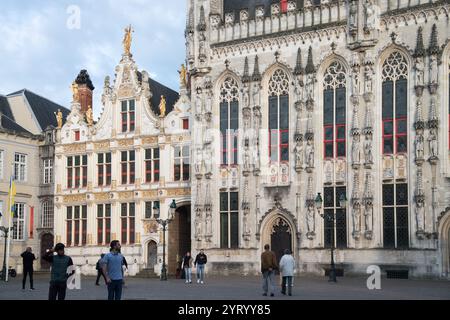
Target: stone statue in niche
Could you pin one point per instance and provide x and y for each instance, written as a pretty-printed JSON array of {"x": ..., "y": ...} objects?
[
  {"x": 434, "y": 74},
  {"x": 298, "y": 89},
  {"x": 368, "y": 79},
  {"x": 198, "y": 161},
  {"x": 311, "y": 221},
  {"x": 198, "y": 104},
  {"x": 371, "y": 16},
  {"x": 246, "y": 96},
  {"x": 208, "y": 107},
  {"x": 419, "y": 146},
  {"x": 420, "y": 71},
  {"x": 310, "y": 154},
  {"x": 202, "y": 47},
  {"x": 353, "y": 15},
  {"x": 368, "y": 155},
  {"x": 356, "y": 151},
  {"x": 190, "y": 44},
  {"x": 433, "y": 141},
  {"x": 420, "y": 216},
  {"x": 256, "y": 95},
  {"x": 310, "y": 81},
  {"x": 208, "y": 222},
  {"x": 368, "y": 213},
  {"x": 208, "y": 161},
  {"x": 299, "y": 156},
  {"x": 247, "y": 164},
  {"x": 356, "y": 214},
  {"x": 198, "y": 225}
]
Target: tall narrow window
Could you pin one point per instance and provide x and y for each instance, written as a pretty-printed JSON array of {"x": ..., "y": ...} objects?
[
  {"x": 20, "y": 167},
  {"x": 152, "y": 165},
  {"x": 395, "y": 216},
  {"x": 104, "y": 169},
  {"x": 334, "y": 111},
  {"x": 77, "y": 171},
  {"x": 149, "y": 205},
  {"x": 335, "y": 228},
  {"x": 229, "y": 121},
  {"x": 19, "y": 226},
  {"x": 279, "y": 117},
  {"x": 128, "y": 116},
  {"x": 127, "y": 216},
  {"x": 47, "y": 214},
  {"x": 229, "y": 220},
  {"x": 128, "y": 166},
  {"x": 181, "y": 164},
  {"x": 48, "y": 171},
  {"x": 395, "y": 104},
  {"x": 103, "y": 224},
  {"x": 76, "y": 226},
  {"x": 2, "y": 160}
]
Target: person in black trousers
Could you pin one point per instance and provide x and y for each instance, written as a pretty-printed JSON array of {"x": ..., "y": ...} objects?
[
  {"x": 28, "y": 259},
  {"x": 60, "y": 264},
  {"x": 100, "y": 271}
]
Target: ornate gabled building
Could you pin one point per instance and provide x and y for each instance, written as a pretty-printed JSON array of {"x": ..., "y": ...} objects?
[
  {"x": 111, "y": 174},
  {"x": 349, "y": 99}
]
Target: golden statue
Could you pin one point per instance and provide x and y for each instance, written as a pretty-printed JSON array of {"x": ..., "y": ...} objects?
[
  {"x": 89, "y": 116},
  {"x": 162, "y": 107},
  {"x": 76, "y": 96},
  {"x": 183, "y": 75},
  {"x": 128, "y": 38},
  {"x": 59, "y": 118}
]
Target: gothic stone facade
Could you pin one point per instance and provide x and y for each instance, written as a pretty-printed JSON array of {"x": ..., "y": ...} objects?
[
  {"x": 110, "y": 174},
  {"x": 344, "y": 98}
]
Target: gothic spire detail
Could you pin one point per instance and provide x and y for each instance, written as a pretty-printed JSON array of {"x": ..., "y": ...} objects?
[
  {"x": 310, "y": 194},
  {"x": 420, "y": 48},
  {"x": 434, "y": 46},
  {"x": 310, "y": 64},
  {"x": 245, "y": 201},
  {"x": 256, "y": 74},
  {"x": 202, "y": 20},
  {"x": 299, "y": 65},
  {"x": 368, "y": 187},
  {"x": 246, "y": 76},
  {"x": 355, "y": 122}
]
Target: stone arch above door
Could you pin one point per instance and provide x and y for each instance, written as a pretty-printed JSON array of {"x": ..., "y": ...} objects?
[{"x": 444, "y": 242}]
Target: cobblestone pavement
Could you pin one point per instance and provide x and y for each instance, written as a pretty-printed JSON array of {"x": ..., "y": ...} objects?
[{"x": 235, "y": 288}]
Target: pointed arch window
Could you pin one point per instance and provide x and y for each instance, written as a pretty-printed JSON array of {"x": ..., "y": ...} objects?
[
  {"x": 334, "y": 111},
  {"x": 229, "y": 121},
  {"x": 395, "y": 104},
  {"x": 279, "y": 117}
]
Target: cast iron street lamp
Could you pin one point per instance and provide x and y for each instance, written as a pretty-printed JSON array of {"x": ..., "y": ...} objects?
[
  {"x": 164, "y": 224},
  {"x": 331, "y": 218},
  {"x": 6, "y": 232}
]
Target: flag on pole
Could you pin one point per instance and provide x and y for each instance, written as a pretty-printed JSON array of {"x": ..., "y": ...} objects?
[{"x": 12, "y": 195}]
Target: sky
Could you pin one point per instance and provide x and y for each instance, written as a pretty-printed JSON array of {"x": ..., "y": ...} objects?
[{"x": 45, "y": 43}]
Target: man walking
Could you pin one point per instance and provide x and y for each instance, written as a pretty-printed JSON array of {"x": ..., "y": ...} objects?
[
  {"x": 268, "y": 267},
  {"x": 28, "y": 259},
  {"x": 287, "y": 266},
  {"x": 112, "y": 268},
  {"x": 60, "y": 262},
  {"x": 100, "y": 270},
  {"x": 200, "y": 261},
  {"x": 187, "y": 266}
]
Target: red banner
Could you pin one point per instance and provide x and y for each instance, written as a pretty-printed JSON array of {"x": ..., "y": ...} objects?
[{"x": 284, "y": 5}]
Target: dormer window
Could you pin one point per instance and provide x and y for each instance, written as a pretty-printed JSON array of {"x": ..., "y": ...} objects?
[
  {"x": 128, "y": 115},
  {"x": 185, "y": 124},
  {"x": 77, "y": 135}
]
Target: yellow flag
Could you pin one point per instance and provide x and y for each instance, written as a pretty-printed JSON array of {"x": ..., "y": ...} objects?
[{"x": 12, "y": 195}]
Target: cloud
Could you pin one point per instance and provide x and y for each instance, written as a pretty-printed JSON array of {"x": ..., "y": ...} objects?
[{"x": 40, "y": 53}]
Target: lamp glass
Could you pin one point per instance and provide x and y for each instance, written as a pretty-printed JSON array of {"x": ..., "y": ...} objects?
[{"x": 319, "y": 201}]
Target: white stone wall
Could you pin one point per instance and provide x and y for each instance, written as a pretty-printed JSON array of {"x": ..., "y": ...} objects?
[{"x": 226, "y": 44}]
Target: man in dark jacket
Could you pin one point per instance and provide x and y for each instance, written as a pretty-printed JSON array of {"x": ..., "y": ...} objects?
[
  {"x": 28, "y": 259},
  {"x": 100, "y": 270},
  {"x": 268, "y": 266},
  {"x": 200, "y": 262},
  {"x": 60, "y": 262}
]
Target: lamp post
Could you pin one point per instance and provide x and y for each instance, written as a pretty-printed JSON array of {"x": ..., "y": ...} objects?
[
  {"x": 331, "y": 218},
  {"x": 164, "y": 224},
  {"x": 6, "y": 234}
]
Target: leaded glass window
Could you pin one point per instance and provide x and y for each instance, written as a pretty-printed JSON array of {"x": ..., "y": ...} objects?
[
  {"x": 395, "y": 216},
  {"x": 335, "y": 227},
  {"x": 229, "y": 121}
]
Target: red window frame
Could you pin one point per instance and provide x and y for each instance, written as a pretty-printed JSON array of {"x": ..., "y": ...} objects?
[
  {"x": 388, "y": 136},
  {"x": 77, "y": 135},
  {"x": 282, "y": 146},
  {"x": 124, "y": 119},
  {"x": 284, "y": 5},
  {"x": 340, "y": 140},
  {"x": 185, "y": 124},
  {"x": 327, "y": 142},
  {"x": 69, "y": 177},
  {"x": 402, "y": 134}
]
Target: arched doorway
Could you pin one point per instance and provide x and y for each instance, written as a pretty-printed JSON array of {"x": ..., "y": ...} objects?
[
  {"x": 152, "y": 254},
  {"x": 444, "y": 243},
  {"x": 47, "y": 242},
  {"x": 179, "y": 240},
  {"x": 281, "y": 237}
]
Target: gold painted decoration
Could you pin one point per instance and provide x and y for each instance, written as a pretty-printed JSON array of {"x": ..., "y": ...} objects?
[
  {"x": 75, "y": 92},
  {"x": 126, "y": 195},
  {"x": 127, "y": 39},
  {"x": 101, "y": 146},
  {"x": 59, "y": 118},
  {"x": 78, "y": 147},
  {"x": 74, "y": 198},
  {"x": 90, "y": 117},
  {"x": 162, "y": 107},
  {"x": 150, "y": 140},
  {"x": 126, "y": 142}
]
